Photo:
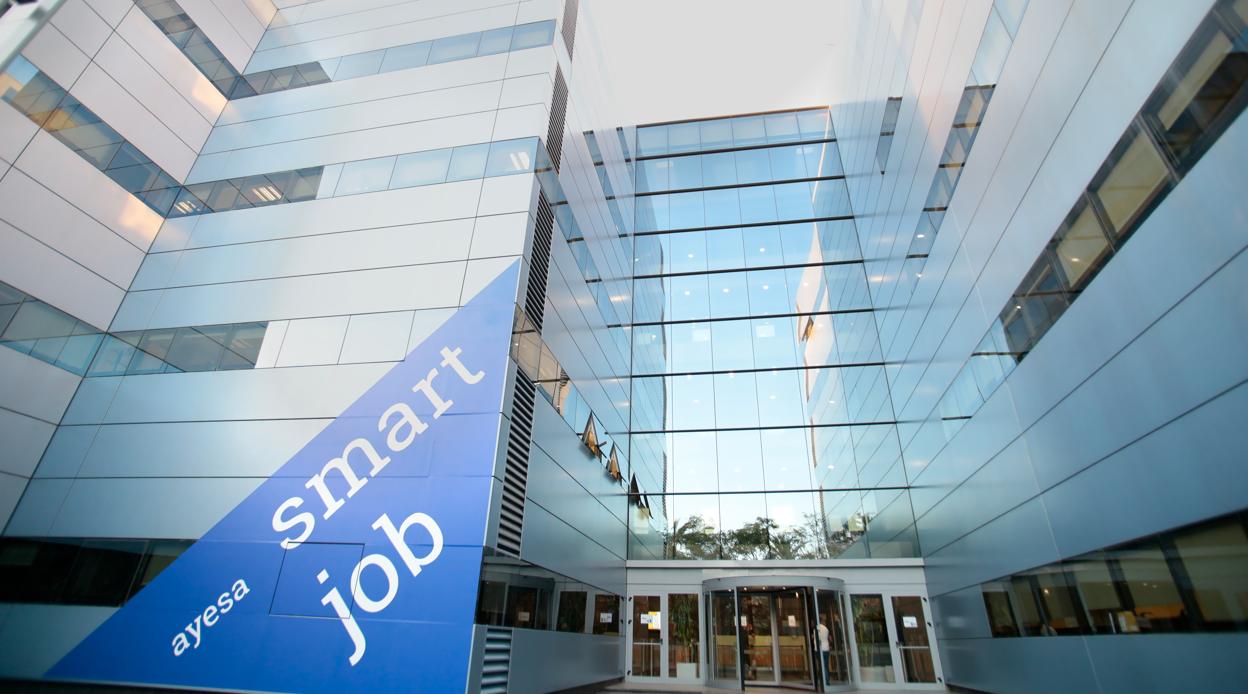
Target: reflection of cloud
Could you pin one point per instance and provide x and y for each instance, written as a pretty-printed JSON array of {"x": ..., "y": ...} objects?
[
  {"x": 709, "y": 516},
  {"x": 783, "y": 515}
]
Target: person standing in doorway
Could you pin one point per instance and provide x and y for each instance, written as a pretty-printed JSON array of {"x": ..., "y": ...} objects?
[{"x": 824, "y": 648}]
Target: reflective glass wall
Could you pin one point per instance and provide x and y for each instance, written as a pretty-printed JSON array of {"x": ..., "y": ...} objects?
[{"x": 762, "y": 425}]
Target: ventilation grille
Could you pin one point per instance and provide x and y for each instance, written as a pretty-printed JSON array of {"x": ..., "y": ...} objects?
[
  {"x": 539, "y": 263},
  {"x": 516, "y": 474},
  {"x": 496, "y": 668},
  {"x": 570, "y": 8},
  {"x": 558, "y": 112}
]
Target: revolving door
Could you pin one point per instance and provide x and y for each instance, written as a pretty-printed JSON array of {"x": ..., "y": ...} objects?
[{"x": 781, "y": 631}]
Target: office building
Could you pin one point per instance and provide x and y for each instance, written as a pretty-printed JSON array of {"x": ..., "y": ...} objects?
[{"x": 442, "y": 345}]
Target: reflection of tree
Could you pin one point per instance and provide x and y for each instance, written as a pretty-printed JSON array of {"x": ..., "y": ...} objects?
[
  {"x": 692, "y": 539},
  {"x": 761, "y": 538}
]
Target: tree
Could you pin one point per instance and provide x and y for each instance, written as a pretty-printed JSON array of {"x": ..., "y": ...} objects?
[{"x": 692, "y": 539}]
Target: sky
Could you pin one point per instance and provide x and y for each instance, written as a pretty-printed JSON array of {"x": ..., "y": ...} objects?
[{"x": 677, "y": 59}]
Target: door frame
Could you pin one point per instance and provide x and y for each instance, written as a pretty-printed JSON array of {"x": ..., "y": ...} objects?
[
  {"x": 663, "y": 592},
  {"x": 899, "y": 672}
]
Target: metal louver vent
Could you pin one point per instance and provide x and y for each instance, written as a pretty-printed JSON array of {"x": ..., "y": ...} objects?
[
  {"x": 539, "y": 263},
  {"x": 558, "y": 112},
  {"x": 496, "y": 668},
  {"x": 516, "y": 474},
  {"x": 570, "y": 8}
]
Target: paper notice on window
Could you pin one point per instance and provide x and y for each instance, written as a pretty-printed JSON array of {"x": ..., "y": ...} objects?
[
  {"x": 522, "y": 616},
  {"x": 745, "y": 621},
  {"x": 605, "y": 617},
  {"x": 910, "y": 622},
  {"x": 655, "y": 623},
  {"x": 793, "y": 621},
  {"x": 645, "y": 617}
]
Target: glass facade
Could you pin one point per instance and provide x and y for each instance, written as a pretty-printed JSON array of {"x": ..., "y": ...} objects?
[
  {"x": 1184, "y": 580},
  {"x": 761, "y": 424}
]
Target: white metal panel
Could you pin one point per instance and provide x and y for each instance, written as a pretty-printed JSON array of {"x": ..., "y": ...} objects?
[
  {"x": 39, "y": 270},
  {"x": 128, "y": 116},
  {"x": 207, "y": 16},
  {"x": 47, "y": 217},
  {"x": 72, "y": 178},
  {"x": 143, "y": 36},
  {"x": 81, "y": 25}
]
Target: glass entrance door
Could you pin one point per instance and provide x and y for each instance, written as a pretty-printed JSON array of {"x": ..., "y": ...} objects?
[
  {"x": 721, "y": 632},
  {"x": 830, "y": 633},
  {"x": 647, "y": 634},
  {"x": 912, "y": 641},
  {"x": 758, "y": 657},
  {"x": 793, "y": 638}
]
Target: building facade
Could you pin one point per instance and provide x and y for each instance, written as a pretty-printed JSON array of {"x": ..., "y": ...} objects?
[{"x": 371, "y": 326}]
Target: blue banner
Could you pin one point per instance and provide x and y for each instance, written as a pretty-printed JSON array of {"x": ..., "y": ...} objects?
[{"x": 355, "y": 565}]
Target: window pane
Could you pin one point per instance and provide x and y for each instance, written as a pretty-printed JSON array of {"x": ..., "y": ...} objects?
[
  {"x": 365, "y": 176},
  {"x": 1130, "y": 181},
  {"x": 533, "y": 34},
  {"x": 1000, "y": 616},
  {"x": 495, "y": 41},
  {"x": 421, "y": 168},
  {"x": 749, "y": 131},
  {"x": 571, "y": 616},
  {"x": 1146, "y": 578},
  {"x": 1202, "y": 83},
  {"x": 103, "y": 572},
  {"x": 359, "y": 65},
  {"x": 1216, "y": 560},
  {"x": 192, "y": 350},
  {"x": 454, "y": 48},
  {"x": 1079, "y": 245},
  {"x": 875, "y": 660},
  {"x": 411, "y": 55},
  {"x": 468, "y": 161},
  {"x": 1100, "y": 598},
  {"x": 782, "y": 127},
  {"x": 511, "y": 156}
]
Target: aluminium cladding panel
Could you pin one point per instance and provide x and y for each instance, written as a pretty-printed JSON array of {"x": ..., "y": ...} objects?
[
  {"x": 357, "y": 114},
  {"x": 165, "y": 58},
  {"x": 548, "y": 661},
  {"x": 1121, "y": 81},
  {"x": 231, "y": 26},
  {"x": 317, "y": 253},
  {"x": 381, "y": 27},
  {"x": 347, "y": 145}
]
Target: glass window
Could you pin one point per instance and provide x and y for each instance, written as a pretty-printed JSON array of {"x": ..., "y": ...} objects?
[
  {"x": 815, "y": 125},
  {"x": 533, "y": 34},
  {"x": 104, "y": 572},
  {"x": 1062, "y": 607},
  {"x": 758, "y": 204},
  {"x": 450, "y": 48},
  {"x": 1146, "y": 579},
  {"x": 421, "y": 168},
  {"x": 365, "y": 176},
  {"x": 402, "y": 57},
  {"x": 1215, "y": 558},
  {"x": 683, "y": 137},
  {"x": 715, "y": 134},
  {"x": 495, "y": 41},
  {"x": 788, "y": 163},
  {"x": 652, "y": 140},
  {"x": 740, "y": 462},
  {"x": 150, "y": 355},
  {"x": 695, "y": 527},
  {"x": 722, "y": 207},
  {"x": 468, "y": 162},
  {"x": 652, "y": 175},
  {"x": 511, "y": 156},
  {"x": 1080, "y": 245},
  {"x": 358, "y": 65},
  {"x": 1200, "y": 86},
  {"x": 571, "y": 616},
  {"x": 782, "y": 127},
  {"x": 160, "y": 554},
  {"x": 35, "y": 570},
  {"x": 193, "y": 350},
  {"x": 684, "y": 172},
  {"x": 607, "y": 614},
  {"x": 747, "y": 528},
  {"x": 749, "y": 131},
  {"x": 1000, "y": 615},
  {"x": 1099, "y": 595},
  {"x": 753, "y": 166},
  {"x": 1130, "y": 179}
]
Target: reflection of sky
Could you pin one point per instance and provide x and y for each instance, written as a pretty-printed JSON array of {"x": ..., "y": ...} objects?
[{"x": 730, "y": 349}]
